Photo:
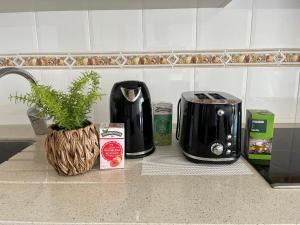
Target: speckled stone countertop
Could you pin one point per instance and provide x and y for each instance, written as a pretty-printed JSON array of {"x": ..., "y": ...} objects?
[{"x": 32, "y": 193}]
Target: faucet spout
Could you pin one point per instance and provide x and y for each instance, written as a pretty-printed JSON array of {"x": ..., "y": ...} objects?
[
  {"x": 38, "y": 124},
  {"x": 14, "y": 70}
]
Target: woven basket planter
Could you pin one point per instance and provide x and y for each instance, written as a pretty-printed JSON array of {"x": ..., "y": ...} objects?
[{"x": 72, "y": 152}]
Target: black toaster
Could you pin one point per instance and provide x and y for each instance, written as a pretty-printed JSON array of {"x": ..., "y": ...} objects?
[{"x": 209, "y": 126}]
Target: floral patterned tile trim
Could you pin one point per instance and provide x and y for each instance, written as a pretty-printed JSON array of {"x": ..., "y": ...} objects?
[{"x": 214, "y": 58}]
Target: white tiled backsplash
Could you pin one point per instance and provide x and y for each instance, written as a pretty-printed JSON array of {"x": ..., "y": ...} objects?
[{"x": 240, "y": 25}]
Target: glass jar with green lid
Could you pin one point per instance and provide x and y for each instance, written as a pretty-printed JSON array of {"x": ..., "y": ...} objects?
[{"x": 162, "y": 113}]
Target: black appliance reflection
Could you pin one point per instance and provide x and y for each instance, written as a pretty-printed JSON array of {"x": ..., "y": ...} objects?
[{"x": 284, "y": 167}]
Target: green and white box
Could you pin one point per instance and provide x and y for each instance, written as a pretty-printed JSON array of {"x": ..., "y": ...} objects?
[{"x": 259, "y": 135}]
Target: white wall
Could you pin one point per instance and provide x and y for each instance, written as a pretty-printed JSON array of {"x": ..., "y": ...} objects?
[{"x": 240, "y": 25}]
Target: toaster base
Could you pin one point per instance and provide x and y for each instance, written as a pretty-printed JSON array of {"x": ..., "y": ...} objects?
[
  {"x": 198, "y": 159},
  {"x": 141, "y": 154}
]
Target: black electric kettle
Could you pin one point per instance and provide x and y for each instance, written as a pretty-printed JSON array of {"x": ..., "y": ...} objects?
[{"x": 130, "y": 104}]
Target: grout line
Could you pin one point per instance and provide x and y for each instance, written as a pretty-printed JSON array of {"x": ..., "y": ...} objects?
[
  {"x": 143, "y": 74},
  {"x": 36, "y": 30},
  {"x": 84, "y": 223},
  {"x": 297, "y": 98},
  {"x": 47, "y": 173},
  {"x": 197, "y": 20},
  {"x": 143, "y": 30},
  {"x": 194, "y": 79},
  {"x": 142, "y": 23},
  {"x": 245, "y": 93},
  {"x": 99, "y": 223},
  {"x": 203, "y": 51},
  {"x": 143, "y": 42},
  {"x": 197, "y": 12},
  {"x": 247, "y": 68},
  {"x": 60, "y": 182},
  {"x": 251, "y": 25},
  {"x": 90, "y": 31},
  {"x": 91, "y": 48},
  {"x": 196, "y": 45}
]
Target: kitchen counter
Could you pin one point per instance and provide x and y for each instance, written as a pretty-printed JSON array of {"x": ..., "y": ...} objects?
[{"x": 32, "y": 192}]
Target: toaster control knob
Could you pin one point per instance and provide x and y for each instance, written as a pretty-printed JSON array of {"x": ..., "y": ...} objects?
[
  {"x": 229, "y": 136},
  {"x": 217, "y": 148},
  {"x": 228, "y": 144},
  {"x": 220, "y": 112}
]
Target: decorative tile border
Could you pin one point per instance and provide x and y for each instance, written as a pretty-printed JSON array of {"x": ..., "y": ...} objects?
[{"x": 266, "y": 57}]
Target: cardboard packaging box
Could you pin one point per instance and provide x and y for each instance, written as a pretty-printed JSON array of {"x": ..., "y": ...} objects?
[
  {"x": 258, "y": 136},
  {"x": 112, "y": 145}
]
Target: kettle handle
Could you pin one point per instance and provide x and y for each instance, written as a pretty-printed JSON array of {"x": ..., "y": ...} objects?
[
  {"x": 178, "y": 120},
  {"x": 131, "y": 95}
]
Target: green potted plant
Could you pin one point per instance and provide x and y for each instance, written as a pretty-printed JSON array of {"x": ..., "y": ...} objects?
[{"x": 72, "y": 141}]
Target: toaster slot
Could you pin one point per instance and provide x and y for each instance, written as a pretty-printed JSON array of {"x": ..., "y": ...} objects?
[
  {"x": 216, "y": 96},
  {"x": 202, "y": 96}
]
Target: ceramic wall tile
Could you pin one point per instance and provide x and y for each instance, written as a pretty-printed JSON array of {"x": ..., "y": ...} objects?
[
  {"x": 116, "y": 30},
  {"x": 167, "y": 84},
  {"x": 274, "y": 89},
  {"x": 277, "y": 4},
  {"x": 169, "y": 29},
  {"x": 274, "y": 25},
  {"x": 63, "y": 31},
  {"x": 277, "y": 25},
  {"x": 229, "y": 80},
  {"x": 18, "y": 33},
  {"x": 11, "y": 84},
  {"x": 109, "y": 77},
  {"x": 59, "y": 79},
  {"x": 225, "y": 28}
]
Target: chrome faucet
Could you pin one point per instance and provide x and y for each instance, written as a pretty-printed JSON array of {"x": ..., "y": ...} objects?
[
  {"x": 38, "y": 124},
  {"x": 14, "y": 70}
]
